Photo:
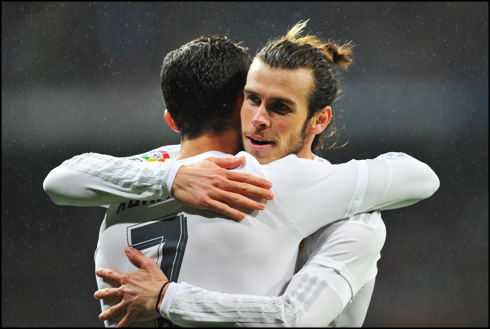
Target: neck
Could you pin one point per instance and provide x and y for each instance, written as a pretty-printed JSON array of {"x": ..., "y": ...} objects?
[
  {"x": 305, "y": 154},
  {"x": 306, "y": 150},
  {"x": 226, "y": 142}
]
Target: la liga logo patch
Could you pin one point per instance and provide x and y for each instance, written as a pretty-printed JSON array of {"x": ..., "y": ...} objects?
[{"x": 156, "y": 156}]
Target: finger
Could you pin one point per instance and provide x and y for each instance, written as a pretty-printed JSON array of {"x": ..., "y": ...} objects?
[
  {"x": 224, "y": 209},
  {"x": 107, "y": 293},
  {"x": 113, "y": 311},
  {"x": 135, "y": 256},
  {"x": 234, "y": 183},
  {"x": 236, "y": 199},
  {"x": 108, "y": 273},
  {"x": 125, "y": 322},
  {"x": 139, "y": 259},
  {"x": 247, "y": 189},
  {"x": 249, "y": 179},
  {"x": 227, "y": 163}
]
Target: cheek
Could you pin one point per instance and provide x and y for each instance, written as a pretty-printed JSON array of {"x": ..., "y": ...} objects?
[
  {"x": 289, "y": 129},
  {"x": 245, "y": 114}
]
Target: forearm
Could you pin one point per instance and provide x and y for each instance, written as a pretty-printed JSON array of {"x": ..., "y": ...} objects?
[
  {"x": 309, "y": 300},
  {"x": 93, "y": 179},
  {"x": 334, "y": 192}
]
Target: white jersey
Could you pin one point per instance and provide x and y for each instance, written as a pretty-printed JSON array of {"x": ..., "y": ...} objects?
[
  {"x": 332, "y": 288},
  {"x": 256, "y": 255}
]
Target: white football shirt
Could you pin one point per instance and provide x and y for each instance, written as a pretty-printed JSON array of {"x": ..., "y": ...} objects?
[
  {"x": 333, "y": 287},
  {"x": 256, "y": 255}
]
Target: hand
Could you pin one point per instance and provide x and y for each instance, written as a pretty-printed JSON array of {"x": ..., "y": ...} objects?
[
  {"x": 208, "y": 184},
  {"x": 138, "y": 291}
]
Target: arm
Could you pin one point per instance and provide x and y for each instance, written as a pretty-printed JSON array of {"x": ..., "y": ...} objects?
[
  {"x": 310, "y": 300},
  {"x": 334, "y": 192},
  {"x": 342, "y": 260},
  {"x": 94, "y": 179},
  {"x": 192, "y": 306},
  {"x": 410, "y": 181}
]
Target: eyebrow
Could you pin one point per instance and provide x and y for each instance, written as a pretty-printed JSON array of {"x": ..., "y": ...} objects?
[{"x": 277, "y": 99}]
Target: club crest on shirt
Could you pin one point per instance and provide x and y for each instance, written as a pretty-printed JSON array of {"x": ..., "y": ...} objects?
[
  {"x": 156, "y": 156},
  {"x": 152, "y": 156}
]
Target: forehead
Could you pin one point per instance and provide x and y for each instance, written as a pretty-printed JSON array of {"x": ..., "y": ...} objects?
[{"x": 269, "y": 82}]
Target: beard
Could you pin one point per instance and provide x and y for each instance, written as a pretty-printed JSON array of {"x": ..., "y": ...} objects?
[{"x": 298, "y": 146}]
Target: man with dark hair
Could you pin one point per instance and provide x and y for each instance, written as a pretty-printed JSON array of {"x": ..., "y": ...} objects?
[
  {"x": 214, "y": 94},
  {"x": 257, "y": 254}
]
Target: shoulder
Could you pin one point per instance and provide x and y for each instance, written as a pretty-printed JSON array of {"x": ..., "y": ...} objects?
[
  {"x": 159, "y": 154},
  {"x": 320, "y": 159}
]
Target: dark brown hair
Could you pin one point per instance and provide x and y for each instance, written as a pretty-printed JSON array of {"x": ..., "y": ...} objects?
[{"x": 200, "y": 84}]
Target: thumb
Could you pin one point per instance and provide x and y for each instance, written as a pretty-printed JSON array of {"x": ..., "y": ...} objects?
[{"x": 228, "y": 163}]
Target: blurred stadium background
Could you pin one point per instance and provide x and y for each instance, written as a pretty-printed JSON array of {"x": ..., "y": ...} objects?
[{"x": 84, "y": 77}]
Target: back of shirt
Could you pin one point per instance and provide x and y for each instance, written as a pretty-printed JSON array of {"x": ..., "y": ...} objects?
[
  {"x": 333, "y": 286},
  {"x": 256, "y": 255}
]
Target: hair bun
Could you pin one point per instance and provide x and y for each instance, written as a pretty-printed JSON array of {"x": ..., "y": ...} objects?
[{"x": 339, "y": 55}]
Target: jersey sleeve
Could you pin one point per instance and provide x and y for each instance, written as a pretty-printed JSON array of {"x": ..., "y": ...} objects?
[
  {"x": 342, "y": 261},
  {"x": 351, "y": 246},
  {"x": 313, "y": 195},
  {"x": 410, "y": 181},
  {"x": 93, "y": 179},
  {"x": 310, "y": 300}
]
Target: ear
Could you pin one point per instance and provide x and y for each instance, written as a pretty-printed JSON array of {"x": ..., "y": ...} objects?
[
  {"x": 170, "y": 121},
  {"x": 320, "y": 120}
]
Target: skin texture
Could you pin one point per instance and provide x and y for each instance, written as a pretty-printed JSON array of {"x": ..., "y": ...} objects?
[
  {"x": 208, "y": 185},
  {"x": 275, "y": 111},
  {"x": 140, "y": 293}
]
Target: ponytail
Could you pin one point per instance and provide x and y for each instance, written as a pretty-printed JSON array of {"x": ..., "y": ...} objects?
[{"x": 339, "y": 55}]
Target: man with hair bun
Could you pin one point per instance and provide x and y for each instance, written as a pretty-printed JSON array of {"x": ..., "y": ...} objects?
[
  {"x": 287, "y": 102},
  {"x": 316, "y": 61}
]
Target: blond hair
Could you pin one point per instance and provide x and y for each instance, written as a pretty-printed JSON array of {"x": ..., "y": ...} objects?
[{"x": 339, "y": 55}]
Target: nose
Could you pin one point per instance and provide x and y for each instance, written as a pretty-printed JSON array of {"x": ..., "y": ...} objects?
[{"x": 261, "y": 118}]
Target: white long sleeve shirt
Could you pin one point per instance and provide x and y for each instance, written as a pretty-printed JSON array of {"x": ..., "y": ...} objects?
[
  {"x": 332, "y": 288},
  {"x": 254, "y": 256}
]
